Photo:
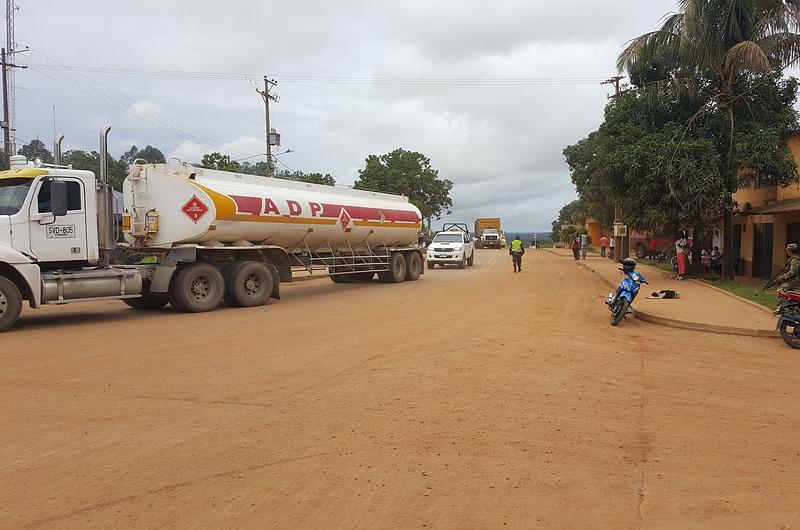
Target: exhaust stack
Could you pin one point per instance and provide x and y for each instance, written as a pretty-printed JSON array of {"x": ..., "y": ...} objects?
[
  {"x": 57, "y": 149},
  {"x": 105, "y": 201}
]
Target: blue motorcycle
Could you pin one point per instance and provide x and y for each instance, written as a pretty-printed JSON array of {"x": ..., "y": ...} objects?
[{"x": 627, "y": 290}]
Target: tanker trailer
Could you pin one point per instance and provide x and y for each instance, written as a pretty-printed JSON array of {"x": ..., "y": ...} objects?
[
  {"x": 193, "y": 237},
  {"x": 251, "y": 231}
]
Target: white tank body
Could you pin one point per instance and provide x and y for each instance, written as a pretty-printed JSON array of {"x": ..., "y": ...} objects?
[{"x": 208, "y": 207}]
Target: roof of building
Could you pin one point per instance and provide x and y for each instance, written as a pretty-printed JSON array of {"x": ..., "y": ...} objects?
[{"x": 789, "y": 206}]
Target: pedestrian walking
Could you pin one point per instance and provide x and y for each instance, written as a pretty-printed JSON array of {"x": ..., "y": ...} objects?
[
  {"x": 576, "y": 248},
  {"x": 652, "y": 248},
  {"x": 611, "y": 248},
  {"x": 603, "y": 245},
  {"x": 681, "y": 254},
  {"x": 584, "y": 245},
  {"x": 516, "y": 250}
]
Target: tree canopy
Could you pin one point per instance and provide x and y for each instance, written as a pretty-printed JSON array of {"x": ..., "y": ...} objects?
[
  {"x": 219, "y": 161},
  {"x": 709, "y": 47},
  {"x": 36, "y": 150},
  {"x": 408, "y": 173},
  {"x": 149, "y": 153},
  {"x": 90, "y": 161}
]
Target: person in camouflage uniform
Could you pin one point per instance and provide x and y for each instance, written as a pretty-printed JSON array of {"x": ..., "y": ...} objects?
[{"x": 790, "y": 280}]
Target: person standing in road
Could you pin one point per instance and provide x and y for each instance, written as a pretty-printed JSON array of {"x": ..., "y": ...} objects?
[
  {"x": 681, "y": 251},
  {"x": 516, "y": 250},
  {"x": 584, "y": 245},
  {"x": 611, "y": 248},
  {"x": 576, "y": 248},
  {"x": 603, "y": 245}
]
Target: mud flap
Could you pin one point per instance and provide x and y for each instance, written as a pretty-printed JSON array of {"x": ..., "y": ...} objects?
[{"x": 276, "y": 281}]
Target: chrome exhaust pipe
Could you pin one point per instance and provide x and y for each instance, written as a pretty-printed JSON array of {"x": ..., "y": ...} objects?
[
  {"x": 57, "y": 149},
  {"x": 105, "y": 202}
]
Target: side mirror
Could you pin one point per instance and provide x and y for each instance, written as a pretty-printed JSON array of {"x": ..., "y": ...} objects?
[{"x": 58, "y": 198}]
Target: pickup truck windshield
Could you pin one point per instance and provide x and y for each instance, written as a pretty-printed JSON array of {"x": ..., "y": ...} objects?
[
  {"x": 448, "y": 238},
  {"x": 12, "y": 194}
]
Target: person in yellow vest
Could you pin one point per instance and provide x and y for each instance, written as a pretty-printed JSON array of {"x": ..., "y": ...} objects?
[{"x": 517, "y": 250}]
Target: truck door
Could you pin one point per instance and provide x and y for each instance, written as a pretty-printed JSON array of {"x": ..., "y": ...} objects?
[{"x": 63, "y": 238}]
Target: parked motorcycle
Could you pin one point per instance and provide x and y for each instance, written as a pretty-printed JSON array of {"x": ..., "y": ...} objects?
[
  {"x": 789, "y": 321},
  {"x": 619, "y": 302}
]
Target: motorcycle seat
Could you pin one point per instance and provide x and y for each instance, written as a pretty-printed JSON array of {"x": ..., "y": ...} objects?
[{"x": 790, "y": 295}]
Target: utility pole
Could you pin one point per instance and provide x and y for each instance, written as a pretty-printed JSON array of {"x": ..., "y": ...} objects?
[
  {"x": 621, "y": 245},
  {"x": 8, "y": 143},
  {"x": 268, "y": 83}
]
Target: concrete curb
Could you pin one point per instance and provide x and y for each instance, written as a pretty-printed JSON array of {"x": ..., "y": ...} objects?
[
  {"x": 685, "y": 324},
  {"x": 714, "y": 288}
]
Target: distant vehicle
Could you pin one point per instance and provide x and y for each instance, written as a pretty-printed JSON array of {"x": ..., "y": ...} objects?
[
  {"x": 487, "y": 230},
  {"x": 453, "y": 247}
]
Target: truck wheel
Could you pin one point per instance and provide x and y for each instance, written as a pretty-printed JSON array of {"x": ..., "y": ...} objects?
[
  {"x": 471, "y": 260},
  {"x": 248, "y": 284},
  {"x": 463, "y": 262},
  {"x": 431, "y": 265},
  {"x": 10, "y": 303},
  {"x": 198, "y": 288},
  {"x": 147, "y": 302},
  {"x": 397, "y": 269},
  {"x": 413, "y": 266},
  {"x": 641, "y": 251}
]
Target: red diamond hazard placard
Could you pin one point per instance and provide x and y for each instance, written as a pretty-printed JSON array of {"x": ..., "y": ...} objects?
[
  {"x": 344, "y": 218},
  {"x": 194, "y": 209}
]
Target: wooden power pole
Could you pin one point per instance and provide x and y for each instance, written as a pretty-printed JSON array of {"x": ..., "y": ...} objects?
[
  {"x": 621, "y": 244},
  {"x": 268, "y": 83}
]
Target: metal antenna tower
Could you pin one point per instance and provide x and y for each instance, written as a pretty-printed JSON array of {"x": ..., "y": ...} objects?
[{"x": 11, "y": 47}]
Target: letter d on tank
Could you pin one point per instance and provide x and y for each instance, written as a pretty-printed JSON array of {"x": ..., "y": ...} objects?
[{"x": 294, "y": 207}]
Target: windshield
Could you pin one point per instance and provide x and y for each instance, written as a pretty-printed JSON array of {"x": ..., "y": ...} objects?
[
  {"x": 448, "y": 238},
  {"x": 12, "y": 194}
]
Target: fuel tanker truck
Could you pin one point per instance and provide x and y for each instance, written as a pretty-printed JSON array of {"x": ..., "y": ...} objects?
[{"x": 188, "y": 236}]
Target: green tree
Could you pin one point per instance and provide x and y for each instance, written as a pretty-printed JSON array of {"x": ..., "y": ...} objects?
[
  {"x": 313, "y": 178},
  {"x": 719, "y": 41},
  {"x": 573, "y": 213},
  {"x": 408, "y": 173},
  {"x": 149, "y": 153},
  {"x": 219, "y": 161},
  {"x": 36, "y": 150},
  {"x": 90, "y": 161}
]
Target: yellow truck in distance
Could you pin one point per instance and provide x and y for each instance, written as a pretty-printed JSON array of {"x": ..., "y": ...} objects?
[{"x": 487, "y": 232}]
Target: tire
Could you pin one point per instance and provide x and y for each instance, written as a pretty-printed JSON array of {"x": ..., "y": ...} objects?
[
  {"x": 431, "y": 265},
  {"x": 147, "y": 302},
  {"x": 397, "y": 269},
  {"x": 463, "y": 262},
  {"x": 790, "y": 337},
  {"x": 413, "y": 266},
  {"x": 248, "y": 284},
  {"x": 10, "y": 303},
  {"x": 471, "y": 260},
  {"x": 619, "y": 311},
  {"x": 641, "y": 251},
  {"x": 198, "y": 288}
]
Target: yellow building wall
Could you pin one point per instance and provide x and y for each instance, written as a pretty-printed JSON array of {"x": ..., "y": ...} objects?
[
  {"x": 755, "y": 196},
  {"x": 791, "y": 192},
  {"x": 594, "y": 230}
]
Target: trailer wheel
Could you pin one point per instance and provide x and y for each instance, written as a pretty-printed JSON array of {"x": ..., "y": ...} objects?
[
  {"x": 248, "y": 284},
  {"x": 147, "y": 302},
  {"x": 397, "y": 269},
  {"x": 413, "y": 266},
  {"x": 10, "y": 303},
  {"x": 361, "y": 276},
  {"x": 198, "y": 288}
]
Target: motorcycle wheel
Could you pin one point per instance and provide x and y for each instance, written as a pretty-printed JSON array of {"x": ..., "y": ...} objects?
[
  {"x": 791, "y": 335},
  {"x": 619, "y": 311}
]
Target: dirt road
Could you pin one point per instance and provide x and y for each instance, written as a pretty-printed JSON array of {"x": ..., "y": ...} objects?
[{"x": 472, "y": 398}]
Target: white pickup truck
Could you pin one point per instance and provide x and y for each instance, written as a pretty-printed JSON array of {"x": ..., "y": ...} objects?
[{"x": 451, "y": 247}]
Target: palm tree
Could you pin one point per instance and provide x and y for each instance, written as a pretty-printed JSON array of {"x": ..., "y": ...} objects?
[{"x": 721, "y": 40}]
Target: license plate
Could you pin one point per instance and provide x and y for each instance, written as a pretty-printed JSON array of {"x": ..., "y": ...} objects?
[{"x": 61, "y": 232}]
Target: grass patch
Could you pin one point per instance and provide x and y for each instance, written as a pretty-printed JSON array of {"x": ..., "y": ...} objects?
[
  {"x": 766, "y": 298},
  {"x": 666, "y": 267}
]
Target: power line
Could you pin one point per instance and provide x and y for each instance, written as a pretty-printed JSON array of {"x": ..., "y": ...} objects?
[
  {"x": 125, "y": 104},
  {"x": 353, "y": 80}
]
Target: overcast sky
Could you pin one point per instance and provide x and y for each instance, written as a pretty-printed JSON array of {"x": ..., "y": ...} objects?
[{"x": 441, "y": 68}]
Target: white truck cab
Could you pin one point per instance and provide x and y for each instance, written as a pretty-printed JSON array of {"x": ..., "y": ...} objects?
[{"x": 451, "y": 247}]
